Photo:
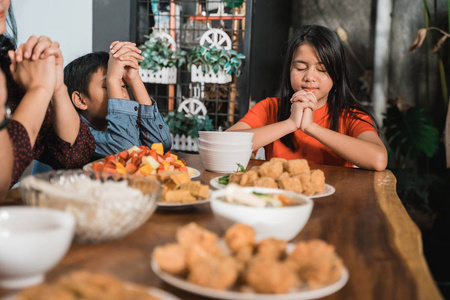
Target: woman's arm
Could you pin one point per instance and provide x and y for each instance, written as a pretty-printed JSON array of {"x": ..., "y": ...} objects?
[
  {"x": 38, "y": 79},
  {"x": 6, "y": 152}
]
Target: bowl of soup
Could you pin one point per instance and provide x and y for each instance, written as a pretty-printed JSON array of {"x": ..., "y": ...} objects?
[{"x": 271, "y": 212}]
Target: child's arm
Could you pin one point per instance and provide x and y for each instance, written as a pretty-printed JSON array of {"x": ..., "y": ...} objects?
[
  {"x": 365, "y": 151},
  {"x": 122, "y": 56},
  {"x": 131, "y": 74}
]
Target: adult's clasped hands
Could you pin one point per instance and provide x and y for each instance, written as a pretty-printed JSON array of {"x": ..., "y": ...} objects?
[
  {"x": 38, "y": 64},
  {"x": 302, "y": 109}
]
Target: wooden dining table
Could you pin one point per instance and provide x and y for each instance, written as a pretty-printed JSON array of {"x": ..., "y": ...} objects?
[{"x": 364, "y": 219}]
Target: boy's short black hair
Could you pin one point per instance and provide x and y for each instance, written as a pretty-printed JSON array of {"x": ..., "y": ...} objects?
[{"x": 78, "y": 73}]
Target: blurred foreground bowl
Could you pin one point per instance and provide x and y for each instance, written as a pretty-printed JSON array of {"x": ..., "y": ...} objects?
[
  {"x": 106, "y": 206},
  {"x": 277, "y": 222},
  {"x": 32, "y": 241}
]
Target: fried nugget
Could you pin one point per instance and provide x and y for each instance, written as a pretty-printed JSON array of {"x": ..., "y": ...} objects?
[
  {"x": 268, "y": 275},
  {"x": 271, "y": 169},
  {"x": 266, "y": 182},
  {"x": 171, "y": 258},
  {"x": 197, "y": 252},
  {"x": 214, "y": 272},
  {"x": 192, "y": 233},
  {"x": 238, "y": 236},
  {"x": 316, "y": 262},
  {"x": 248, "y": 178},
  {"x": 235, "y": 177},
  {"x": 275, "y": 159},
  {"x": 296, "y": 166},
  {"x": 305, "y": 179},
  {"x": 271, "y": 247},
  {"x": 290, "y": 183}
]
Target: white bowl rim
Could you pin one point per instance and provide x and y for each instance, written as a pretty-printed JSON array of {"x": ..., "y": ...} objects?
[
  {"x": 63, "y": 218},
  {"x": 309, "y": 201}
]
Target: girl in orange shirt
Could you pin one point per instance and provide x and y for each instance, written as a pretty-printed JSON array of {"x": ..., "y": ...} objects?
[{"x": 317, "y": 117}]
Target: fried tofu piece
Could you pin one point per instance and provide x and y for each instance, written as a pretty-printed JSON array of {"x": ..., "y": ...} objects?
[
  {"x": 45, "y": 292},
  {"x": 196, "y": 189},
  {"x": 248, "y": 178},
  {"x": 271, "y": 169},
  {"x": 235, "y": 177},
  {"x": 164, "y": 176},
  {"x": 180, "y": 177},
  {"x": 290, "y": 184},
  {"x": 296, "y": 166},
  {"x": 180, "y": 196},
  {"x": 317, "y": 180},
  {"x": 266, "y": 182},
  {"x": 171, "y": 258}
]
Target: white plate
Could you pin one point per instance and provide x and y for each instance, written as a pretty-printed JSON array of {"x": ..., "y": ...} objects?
[
  {"x": 163, "y": 295},
  {"x": 329, "y": 189},
  {"x": 303, "y": 292},
  {"x": 179, "y": 205},
  {"x": 191, "y": 171}
]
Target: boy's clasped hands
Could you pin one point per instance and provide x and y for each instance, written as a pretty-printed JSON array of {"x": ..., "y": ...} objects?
[
  {"x": 302, "y": 109},
  {"x": 123, "y": 68}
]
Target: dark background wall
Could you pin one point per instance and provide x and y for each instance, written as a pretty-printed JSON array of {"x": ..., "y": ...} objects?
[{"x": 111, "y": 22}]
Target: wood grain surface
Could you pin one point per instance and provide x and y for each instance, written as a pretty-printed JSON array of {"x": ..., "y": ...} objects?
[{"x": 364, "y": 219}]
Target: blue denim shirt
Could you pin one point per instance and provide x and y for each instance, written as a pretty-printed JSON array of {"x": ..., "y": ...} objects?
[{"x": 130, "y": 124}]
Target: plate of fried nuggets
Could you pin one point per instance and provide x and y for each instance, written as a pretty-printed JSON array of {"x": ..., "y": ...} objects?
[
  {"x": 238, "y": 267},
  {"x": 178, "y": 190},
  {"x": 88, "y": 285},
  {"x": 292, "y": 175}
]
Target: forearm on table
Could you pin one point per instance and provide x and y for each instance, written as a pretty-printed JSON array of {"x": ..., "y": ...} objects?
[
  {"x": 31, "y": 111},
  {"x": 65, "y": 119},
  {"x": 7, "y": 158},
  {"x": 366, "y": 153},
  {"x": 266, "y": 134}
]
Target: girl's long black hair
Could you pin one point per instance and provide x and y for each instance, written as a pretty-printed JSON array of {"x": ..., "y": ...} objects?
[{"x": 331, "y": 53}]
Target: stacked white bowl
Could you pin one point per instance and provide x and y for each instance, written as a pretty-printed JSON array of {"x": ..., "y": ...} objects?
[{"x": 222, "y": 151}]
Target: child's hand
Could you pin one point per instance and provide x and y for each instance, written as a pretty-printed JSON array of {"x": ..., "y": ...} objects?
[
  {"x": 303, "y": 96},
  {"x": 297, "y": 112},
  {"x": 127, "y": 52},
  {"x": 34, "y": 74}
]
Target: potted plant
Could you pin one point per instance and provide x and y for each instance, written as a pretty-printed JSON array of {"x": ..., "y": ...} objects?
[
  {"x": 184, "y": 129},
  {"x": 160, "y": 61},
  {"x": 213, "y": 64}
]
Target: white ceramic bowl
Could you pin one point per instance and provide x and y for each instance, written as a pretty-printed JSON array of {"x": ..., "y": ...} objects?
[
  {"x": 32, "y": 241},
  {"x": 277, "y": 222},
  {"x": 224, "y": 160},
  {"x": 224, "y": 145},
  {"x": 106, "y": 206},
  {"x": 226, "y": 136}
]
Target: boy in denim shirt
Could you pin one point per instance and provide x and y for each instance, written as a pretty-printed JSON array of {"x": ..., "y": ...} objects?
[{"x": 97, "y": 84}]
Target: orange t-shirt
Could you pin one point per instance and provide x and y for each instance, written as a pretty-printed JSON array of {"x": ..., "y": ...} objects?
[{"x": 265, "y": 113}]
